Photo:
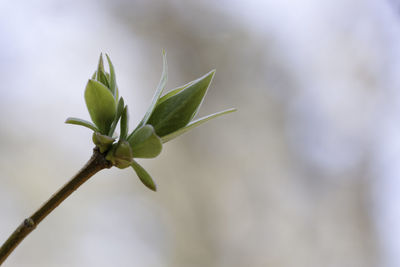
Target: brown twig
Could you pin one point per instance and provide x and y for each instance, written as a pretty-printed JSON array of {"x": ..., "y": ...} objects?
[{"x": 96, "y": 163}]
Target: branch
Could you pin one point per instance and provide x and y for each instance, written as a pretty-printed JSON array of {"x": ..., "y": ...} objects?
[{"x": 96, "y": 163}]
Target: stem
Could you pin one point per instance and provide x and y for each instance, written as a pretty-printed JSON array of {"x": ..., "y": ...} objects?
[{"x": 96, "y": 163}]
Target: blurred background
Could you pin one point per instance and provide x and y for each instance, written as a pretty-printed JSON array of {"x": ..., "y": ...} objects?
[{"x": 305, "y": 174}]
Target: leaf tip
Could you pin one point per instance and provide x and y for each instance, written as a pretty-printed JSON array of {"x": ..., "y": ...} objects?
[
  {"x": 108, "y": 59},
  {"x": 153, "y": 188},
  {"x": 212, "y": 73},
  {"x": 208, "y": 76}
]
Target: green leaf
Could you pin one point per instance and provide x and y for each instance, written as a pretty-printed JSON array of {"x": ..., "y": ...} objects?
[
  {"x": 120, "y": 155},
  {"x": 194, "y": 124},
  {"x": 123, "y": 150},
  {"x": 103, "y": 142},
  {"x": 108, "y": 77},
  {"x": 100, "y": 104},
  {"x": 100, "y": 66},
  {"x": 160, "y": 89},
  {"x": 113, "y": 82},
  {"x": 81, "y": 122},
  {"x": 173, "y": 92},
  {"x": 178, "y": 110},
  {"x": 124, "y": 124},
  {"x": 120, "y": 108},
  {"x": 145, "y": 143},
  {"x": 144, "y": 176},
  {"x": 103, "y": 79},
  {"x": 123, "y": 155}
]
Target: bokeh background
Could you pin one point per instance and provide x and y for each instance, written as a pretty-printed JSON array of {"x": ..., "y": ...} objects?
[{"x": 305, "y": 174}]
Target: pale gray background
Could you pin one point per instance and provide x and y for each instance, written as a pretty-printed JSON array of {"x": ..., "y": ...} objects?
[{"x": 305, "y": 174}]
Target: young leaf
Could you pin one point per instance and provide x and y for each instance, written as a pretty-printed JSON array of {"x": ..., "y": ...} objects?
[
  {"x": 178, "y": 110},
  {"x": 145, "y": 143},
  {"x": 120, "y": 108},
  {"x": 103, "y": 79},
  {"x": 160, "y": 89},
  {"x": 123, "y": 155},
  {"x": 173, "y": 92},
  {"x": 124, "y": 124},
  {"x": 81, "y": 122},
  {"x": 100, "y": 104},
  {"x": 194, "y": 124},
  {"x": 100, "y": 66},
  {"x": 123, "y": 150},
  {"x": 113, "y": 83},
  {"x": 103, "y": 142},
  {"x": 120, "y": 155},
  {"x": 144, "y": 176},
  {"x": 108, "y": 77}
]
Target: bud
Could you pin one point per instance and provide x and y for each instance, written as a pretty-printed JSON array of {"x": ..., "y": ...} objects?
[
  {"x": 145, "y": 143},
  {"x": 101, "y": 105},
  {"x": 103, "y": 142},
  {"x": 167, "y": 117},
  {"x": 120, "y": 155}
]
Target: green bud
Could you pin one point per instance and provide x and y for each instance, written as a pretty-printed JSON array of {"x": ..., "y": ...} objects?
[
  {"x": 103, "y": 142},
  {"x": 168, "y": 116},
  {"x": 120, "y": 155},
  {"x": 145, "y": 143},
  {"x": 101, "y": 105},
  {"x": 144, "y": 176}
]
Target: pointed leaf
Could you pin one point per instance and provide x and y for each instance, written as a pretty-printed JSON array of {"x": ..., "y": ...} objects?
[
  {"x": 81, "y": 122},
  {"x": 178, "y": 110},
  {"x": 160, "y": 89},
  {"x": 124, "y": 124},
  {"x": 120, "y": 108},
  {"x": 113, "y": 82},
  {"x": 108, "y": 77},
  {"x": 100, "y": 104},
  {"x": 103, "y": 79},
  {"x": 173, "y": 92},
  {"x": 195, "y": 124},
  {"x": 145, "y": 143},
  {"x": 144, "y": 176},
  {"x": 100, "y": 66}
]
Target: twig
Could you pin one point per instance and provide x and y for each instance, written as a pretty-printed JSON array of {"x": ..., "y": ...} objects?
[{"x": 96, "y": 163}]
